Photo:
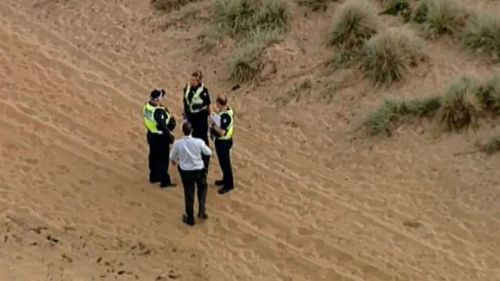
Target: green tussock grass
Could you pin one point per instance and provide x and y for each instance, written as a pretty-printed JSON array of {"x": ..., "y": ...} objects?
[
  {"x": 170, "y": 5},
  {"x": 391, "y": 112},
  {"x": 440, "y": 17},
  {"x": 255, "y": 24},
  {"x": 354, "y": 23},
  {"x": 461, "y": 106},
  {"x": 242, "y": 16},
  {"x": 387, "y": 57},
  {"x": 247, "y": 62},
  {"x": 482, "y": 34},
  {"x": 315, "y": 5}
]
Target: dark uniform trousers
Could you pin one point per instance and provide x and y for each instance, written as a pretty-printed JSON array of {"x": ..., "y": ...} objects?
[
  {"x": 159, "y": 150},
  {"x": 199, "y": 121},
  {"x": 190, "y": 180},
  {"x": 223, "y": 150}
]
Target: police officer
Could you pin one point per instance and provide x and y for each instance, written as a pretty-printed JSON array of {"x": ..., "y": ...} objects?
[
  {"x": 223, "y": 134},
  {"x": 159, "y": 124},
  {"x": 197, "y": 109}
]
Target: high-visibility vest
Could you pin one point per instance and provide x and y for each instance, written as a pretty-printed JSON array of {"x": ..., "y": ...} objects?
[
  {"x": 149, "y": 118},
  {"x": 196, "y": 100},
  {"x": 230, "y": 127}
]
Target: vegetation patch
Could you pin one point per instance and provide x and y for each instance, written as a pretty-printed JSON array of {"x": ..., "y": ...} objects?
[
  {"x": 170, "y": 5},
  {"x": 461, "y": 106},
  {"x": 315, "y": 5},
  {"x": 355, "y": 22},
  {"x": 397, "y": 8},
  {"x": 387, "y": 56},
  {"x": 255, "y": 24},
  {"x": 239, "y": 17},
  {"x": 482, "y": 34},
  {"x": 491, "y": 146},
  {"x": 440, "y": 17},
  {"x": 392, "y": 112}
]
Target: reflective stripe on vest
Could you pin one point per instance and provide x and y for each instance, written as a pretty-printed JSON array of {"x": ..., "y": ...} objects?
[
  {"x": 149, "y": 118},
  {"x": 230, "y": 127},
  {"x": 196, "y": 100}
]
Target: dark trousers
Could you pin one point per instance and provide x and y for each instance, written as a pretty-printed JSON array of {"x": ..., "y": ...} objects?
[
  {"x": 223, "y": 150},
  {"x": 199, "y": 121},
  {"x": 200, "y": 125},
  {"x": 190, "y": 179},
  {"x": 159, "y": 150}
]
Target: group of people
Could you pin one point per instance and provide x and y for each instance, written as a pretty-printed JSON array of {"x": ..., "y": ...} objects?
[{"x": 192, "y": 152}]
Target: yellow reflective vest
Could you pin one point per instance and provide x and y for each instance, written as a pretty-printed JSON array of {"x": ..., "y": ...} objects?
[
  {"x": 230, "y": 127},
  {"x": 196, "y": 100},
  {"x": 149, "y": 118}
]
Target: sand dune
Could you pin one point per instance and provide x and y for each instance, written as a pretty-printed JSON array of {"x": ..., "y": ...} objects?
[{"x": 314, "y": 199}]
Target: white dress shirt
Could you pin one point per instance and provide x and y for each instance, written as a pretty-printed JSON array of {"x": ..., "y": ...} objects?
[{"x": 187, "y": 151}]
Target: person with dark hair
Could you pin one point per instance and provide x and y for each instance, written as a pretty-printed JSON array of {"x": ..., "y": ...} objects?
[
  {"x": 188, "y": 152},
  {"x": 197, "y": 108},
  {"x": 223, "y": 134},
  {"x": 159, "y": 124}
]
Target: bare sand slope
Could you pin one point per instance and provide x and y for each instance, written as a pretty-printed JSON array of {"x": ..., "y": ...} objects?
[{"x": 314, "y": 199}]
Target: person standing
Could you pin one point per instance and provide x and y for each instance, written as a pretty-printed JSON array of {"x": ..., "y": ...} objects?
[
  {"x": 223, "y": 134},
  {"x": 159, "y": 124},
  {"x": 188, "y": 152},
  {"x": 197, "y": 109}
]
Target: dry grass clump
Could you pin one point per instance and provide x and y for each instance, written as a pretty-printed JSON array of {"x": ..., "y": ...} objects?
[
  {"x": 491, "y": 146},
  {"x": 488, "y": 94},
  {"x": 242, "y": 16},
  {"x": 391, "y": 112},
  {"x": 482, "y": 34},
  {"x": 256, "y": 24},
  {"x": 170, "y": 5},
  {"x": 440, "y": 17},
  {"x": 461, "y": 106},
  {"x": 397, "y": 8},
  {"x": 315, "y": 5},
  {"x": 247, "y": 62},
  {"x": 355, "y": 22},
  {"x": 387, "y": 56}
]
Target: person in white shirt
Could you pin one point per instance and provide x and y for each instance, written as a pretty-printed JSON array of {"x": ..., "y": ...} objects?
[{"x": 188, "y": 153}]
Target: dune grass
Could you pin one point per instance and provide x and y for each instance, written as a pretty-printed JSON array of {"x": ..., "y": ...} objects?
[
  {"x": 246, "y": 63},
  {"x": 391, "y": 112},
  {"x": 491, "y": 146},
  {"x": 255, "y": 24},
  {"x": 315, "y": 5},
  {"x": 354, "y": 23},
  {"x": 488, "y": 93},
  {"x": 440, "y": 17},
  {"x": 242, "y": 16},
  {"x": 482, "y": 34},
  {"x": 461, "y": 105},
  {"x": 387, "y": 56},
  {"x": 170, "y": 5},
  {"x": 397, "y": 8}
]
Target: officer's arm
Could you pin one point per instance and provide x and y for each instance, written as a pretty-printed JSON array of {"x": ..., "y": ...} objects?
[
  {"x": 225, "y": 120},
  {"x": 186, "y": 107},
  {"x": 174, "y": 155},
  {"x": 161, "y": 120}
]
